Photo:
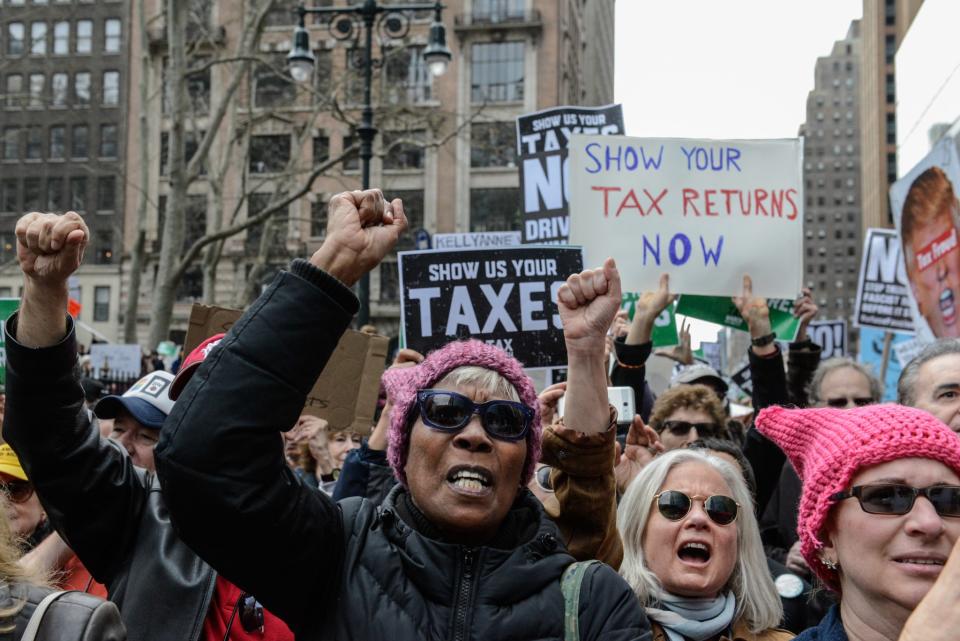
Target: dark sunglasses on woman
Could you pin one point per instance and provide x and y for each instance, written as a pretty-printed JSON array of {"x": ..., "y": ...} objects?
[
  {"x": 898, "y": 499},
  {"x": 682, "y": 428},
  {"x": 674, "y": 505},
  {"x": 450, "y": 412},
  {"x": 17, "y": 491}
]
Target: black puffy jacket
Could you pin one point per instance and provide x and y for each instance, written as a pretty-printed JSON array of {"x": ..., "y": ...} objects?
[{"x": 349, "y": 570}]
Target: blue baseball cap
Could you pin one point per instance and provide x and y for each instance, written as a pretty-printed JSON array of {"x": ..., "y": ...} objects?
[{"x": 148, "y": 401}]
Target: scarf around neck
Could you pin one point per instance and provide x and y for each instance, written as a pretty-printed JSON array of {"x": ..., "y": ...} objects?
[{"x": 691, "y": 619}]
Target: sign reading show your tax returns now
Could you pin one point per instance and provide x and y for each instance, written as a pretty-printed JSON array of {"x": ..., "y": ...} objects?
[
  {"x": 707, "y": 212},
  {"x": 506, "y": 297}
]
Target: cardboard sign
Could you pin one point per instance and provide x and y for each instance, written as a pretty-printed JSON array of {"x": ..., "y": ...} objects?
[
  {"x": 345, "y": 394},
  {"x": 831, "y": 336},
  {"x": 506, "y": 297},
  {"x": 664, "y": 328},
  {"x": 722, "y": 311},
  {"x": 477, "y": 240},
  {"x": 7, "y": 307},
  {"x": 115, "y": 359},
  {"x": 542, "y": 140},
  {"x": 706, "y": 212},
  {"x": 883, "y": 299},
  {"x": 926, "y": 212}
]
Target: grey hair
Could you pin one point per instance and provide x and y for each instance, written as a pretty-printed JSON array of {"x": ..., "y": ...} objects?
[
  {"x": 750, "y": 582},
  {"x": 493, "y": 383},
  {"x": 832, "y": 364},
  {"x": 906, "y": 394}
]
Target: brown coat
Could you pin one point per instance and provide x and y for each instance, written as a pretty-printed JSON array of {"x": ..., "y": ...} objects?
[{"x": 741, "y": 632}]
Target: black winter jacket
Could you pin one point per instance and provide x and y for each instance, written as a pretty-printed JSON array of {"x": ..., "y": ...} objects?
[
  {"x": 349, "y": 570},
  {"x": 109, "y": 512}
]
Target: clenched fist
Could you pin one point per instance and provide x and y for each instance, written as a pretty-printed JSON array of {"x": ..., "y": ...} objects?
[
  {"x": 588, "y": 303},
  {"x": 50, "y": 247}
]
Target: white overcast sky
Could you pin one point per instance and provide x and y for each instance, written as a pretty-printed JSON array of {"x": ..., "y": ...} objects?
[{"x": 722, "y": 68}]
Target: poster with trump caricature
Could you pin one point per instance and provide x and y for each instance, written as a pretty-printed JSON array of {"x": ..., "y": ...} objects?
[{"x": 927, "y": 214}]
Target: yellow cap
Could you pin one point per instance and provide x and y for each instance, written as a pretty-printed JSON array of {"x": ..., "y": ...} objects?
[{"x": 10, "y": 464}]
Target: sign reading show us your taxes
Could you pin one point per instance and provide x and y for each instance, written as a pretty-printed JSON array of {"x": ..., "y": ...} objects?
[{"x": 707, "y": 212}]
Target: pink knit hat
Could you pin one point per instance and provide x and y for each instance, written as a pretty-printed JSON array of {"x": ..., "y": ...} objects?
[
  {"x": 402, "y": 386},
  {"x": 828, "y": 446}
]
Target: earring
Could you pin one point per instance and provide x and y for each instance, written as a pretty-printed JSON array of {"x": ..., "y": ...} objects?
[{"x": 831, "y": 564}]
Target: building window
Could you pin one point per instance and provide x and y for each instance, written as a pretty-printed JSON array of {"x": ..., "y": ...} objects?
[
  {"x": 323, "y": 73},
  {"x": 351, "y": 161},
  {"x": 277, "y": 223},
  {"x": 190, "y": 146},
  {"x": 9, "y": 196},
  {"x": 15, "y": 36},
  {"x": 61, "y": 38},
  {"x": 10, "y": 143},
  {"x": 58, "y": 142},
  {"x": 318, "y": 218},
  {"x": 497, "y": 10},
  {"x": 78, "y": 193},
  {"x": 111, "y": 35},
  {"x": 84, "y": 36},
  {"x": 197, "y": 82},
  {"x": 59, "y": 86},
  {"x": 55, "y": 194},
  {"x": 269, "y": 154},
  {"x": 407, "y": 77},
  {"x": 321, "y": 149},
  {"x": 497, "y": 72},
  {"x": 101, "y": 303},
  {"x": 81, "y": 142},
  {"x": 38, "y": 38},
  {"x": 81, "y": 88},
  {"x": 31, "y": 194},
  {"x": 492, "y": 144},
  {"x": 108, "y": 141},
  {"x": 111, "y": 88},
  {"x": 14, "y": 90},
  {"x": 34, "y": 142},
  {"x": 273, "y": 85},
  {"x": 106, "y": 194},
  {"x": 389, "y": 282},
  {"x": 891, "y": 85},
  {"x": 104, "y": 247},
  {"x": 403, "y": 150},
  {"x": 8, "y": 247},
  {"x": 413, "y": 210},
  {"x": 495, "y": 209},
  {"x": 889, "y": 12},
  {"x": 892, "y": 167},
  {"x": 37, "y": 82},
  {"x": 889, "y": 48},
  {"x": 282, "y": 13}
]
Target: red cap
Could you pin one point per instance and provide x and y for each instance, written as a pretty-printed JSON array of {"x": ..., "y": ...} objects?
[{"x": 191, "y": 363}]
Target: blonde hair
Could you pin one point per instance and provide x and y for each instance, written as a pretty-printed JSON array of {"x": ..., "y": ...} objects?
[
  {"x": 750, "y": 582},
  {"x": 12, "y": 573}
]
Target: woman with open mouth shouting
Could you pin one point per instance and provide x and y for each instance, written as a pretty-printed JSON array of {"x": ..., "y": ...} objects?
[
  {"x": 692, "y": 552},
  {"x": 879, "y": 513}
]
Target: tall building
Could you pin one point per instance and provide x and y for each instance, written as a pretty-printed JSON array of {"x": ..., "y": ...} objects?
[
  {"x": 831, "y": 173},
  {"x": 63, "y": 107},
  {"x": 884, "y": 24},
  {"x": 446, "y": 145}
]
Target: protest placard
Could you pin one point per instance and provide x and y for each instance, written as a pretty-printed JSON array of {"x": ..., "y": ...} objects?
[
  {"x": 871, "y": 354},
  {"x": 506, "y": 297},
  {"x": 831, "y": 336},
  {"x": 477, "y": 240},
  {"x": 542, "y": 140},
  {"x": 706, "y": 212},
  {"x": 7, "y": 307},
  {"x": 664, "y": 332},
  {"x": 883, "y": 299},
  {"x": 743, "y": 379},
  {"x": 722, "y": 311},
  {"x": 926, "y": 212},
  {"x": 112, "y": 359}
]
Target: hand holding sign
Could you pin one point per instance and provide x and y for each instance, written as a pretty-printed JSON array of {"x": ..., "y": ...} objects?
[
  {"x": 588, "y": 303},
  {"x": 362, "y": 228},
  {"x": 50, "y": 247}
]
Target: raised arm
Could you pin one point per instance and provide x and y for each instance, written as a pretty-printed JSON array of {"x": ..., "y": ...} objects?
[{"x": 220, "y": 459}]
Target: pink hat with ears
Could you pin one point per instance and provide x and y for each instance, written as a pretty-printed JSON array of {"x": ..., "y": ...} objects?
[
  {"x": 828, "y": 446},
  {"x": 402, "y": 386}
]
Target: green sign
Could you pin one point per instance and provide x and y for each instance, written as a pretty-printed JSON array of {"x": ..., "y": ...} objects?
[
  {"x": 721, "y": 310},
  {"x": 664, "y": 328},
  {"x": 7, "y": 307}
]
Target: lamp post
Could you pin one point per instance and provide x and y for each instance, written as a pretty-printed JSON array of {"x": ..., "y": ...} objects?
[{"x": 393, "y": 22}]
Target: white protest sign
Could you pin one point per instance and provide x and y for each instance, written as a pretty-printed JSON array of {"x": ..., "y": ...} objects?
[
  {"x": 478, "y": 240},
  {"x": 115, "y": 359},
  {"x": 907, "y": 350},
  {"x": 705, "y": 211},
  {"x": 883, "y": 301},
  {"x": 831, "y": 336}
]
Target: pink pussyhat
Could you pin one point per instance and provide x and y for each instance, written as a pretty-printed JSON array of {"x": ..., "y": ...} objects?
[
  {"x": 829, "y": 446},
  {"x": 402, "y": 386}
]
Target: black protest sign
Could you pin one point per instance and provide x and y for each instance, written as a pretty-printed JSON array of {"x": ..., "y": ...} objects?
[
  {"x": 506, "y": 297},
  {"x": 743, "y": 378},
  {"x": 883, "y": 301},
  {"x": 542, "y": 139},
  {"x": 831, "y": 336}
]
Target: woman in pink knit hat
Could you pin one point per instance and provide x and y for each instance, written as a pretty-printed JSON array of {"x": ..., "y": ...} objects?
[{"x": 879, "y": 513}]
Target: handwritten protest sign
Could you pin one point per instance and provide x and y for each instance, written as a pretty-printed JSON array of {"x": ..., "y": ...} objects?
[
  {"x": 883, "y": 299},
  {"x": 706, "y": 212},
  {"x": 664, "y": 332},
  {"x": 721, "y": 310},
  {"x": 7, "y": 307},
  {"x": 506, "y": 297},
  {"x": 542, "y": 140},
  {"x": 831, "y": 336},
  {"x": 477, "y": 239}
]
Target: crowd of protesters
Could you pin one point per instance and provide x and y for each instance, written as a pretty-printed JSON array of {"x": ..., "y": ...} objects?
[{"x": 206, "y": 505}]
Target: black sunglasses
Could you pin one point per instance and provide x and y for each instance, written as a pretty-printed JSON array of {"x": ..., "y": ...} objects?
[
  {"x": 17, "y": 491},
  {"x": 895, "y": 498},
  {"x": 682, "y": 428},
  {"x": 450, "y": 412},
  {"x": 841, "y": 402},
  {"x": 674, "y": 505}
]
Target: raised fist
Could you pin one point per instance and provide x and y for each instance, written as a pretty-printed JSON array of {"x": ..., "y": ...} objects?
[
  {"x": 588, "y": 303},
  {"x": 50, "y": 247}
]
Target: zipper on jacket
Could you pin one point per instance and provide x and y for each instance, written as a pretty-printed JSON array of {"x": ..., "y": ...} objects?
[{"x": 464, "y": 592}]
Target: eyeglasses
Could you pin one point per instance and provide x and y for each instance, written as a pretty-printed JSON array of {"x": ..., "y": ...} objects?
[
  {"x": 674, "y": 505},
  {"x": 450, "y": 412},
  {"x": 894, "y": 498},
  {"x": 840, "y": 403},
  {"x": 682, "y": 428},
  {"x": 17, "y": 491},
  {"x": 543, "y": 478}
]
